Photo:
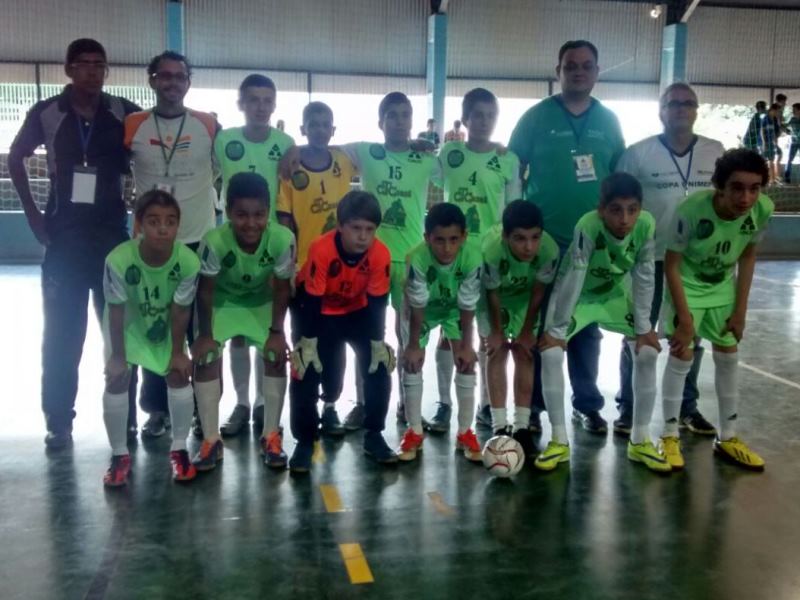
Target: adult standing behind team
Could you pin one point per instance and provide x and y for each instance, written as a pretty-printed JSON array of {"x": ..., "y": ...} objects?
[{"x": 570, "y": 142}]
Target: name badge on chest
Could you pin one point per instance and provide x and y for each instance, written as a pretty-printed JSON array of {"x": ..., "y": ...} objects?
[
  {"x": 584, "y": 167},
  {"x": 84, "y": 184}
]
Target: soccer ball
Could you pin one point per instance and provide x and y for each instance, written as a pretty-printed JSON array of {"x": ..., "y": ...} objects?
[{"x": 503, "y": 456}]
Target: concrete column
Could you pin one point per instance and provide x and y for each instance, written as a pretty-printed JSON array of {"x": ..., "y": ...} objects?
[
  {"x": 175, "y": 29},
  {"x": 436, "y": 72},
  {"x": 673, "y": 54}
]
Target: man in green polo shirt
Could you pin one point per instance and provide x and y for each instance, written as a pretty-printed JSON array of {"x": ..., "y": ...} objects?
[{"x": 570, "y": 142}]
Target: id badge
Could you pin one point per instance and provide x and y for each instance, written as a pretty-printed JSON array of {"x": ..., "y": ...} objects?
[
  {"x": 84, "y": 183},
  {"x": 584, "y": 167},
  {"x": 164, "y": 186}
]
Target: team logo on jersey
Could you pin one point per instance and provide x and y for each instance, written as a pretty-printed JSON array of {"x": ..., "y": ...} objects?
[
  {"x": 336, "y": 169},
  {"x": 430, "y": 275},
  {"x": 175, "y": 273},
  {"x": 275, "y": 152},
  {"x": 600, "y": 242},
  {"x": 335, "y": 268},
  {"x": 455, "y": 158},
  {"x": 612, "y": 256},
  {"x": 330, "y": 223},
  {"x": 705, "y": 229},
  {"x": 234, "y": 150},
  {"x": 133, "y": 275},
  {"x": 363, "y": 266},
  {"x": 414, "y": 157},
  {"x": 504, "y": 267},
  {"x": 377, "y": 152},
  {"x": 300, "y": 180},
  {"x": 265, "y": 259},
  {"x": 748, "y": 227},
  {"x": 395, "y": 215},
  {"x": 473, "y": 220},
  {"x": 229, "y": 260},
  {"x": 157, "y": 332},
  {"x": 494, "y": 164}
]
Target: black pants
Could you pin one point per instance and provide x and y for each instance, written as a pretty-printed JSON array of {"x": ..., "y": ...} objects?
[
  {"x": 336, "y": 331},
  {"x": 72, "y": 269}
]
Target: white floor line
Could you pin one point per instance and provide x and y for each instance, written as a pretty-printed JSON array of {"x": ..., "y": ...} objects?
[{"x": 769, "y": 375}]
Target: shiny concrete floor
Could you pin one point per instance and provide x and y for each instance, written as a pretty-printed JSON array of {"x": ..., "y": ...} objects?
[{"x": 440, "y": 528}]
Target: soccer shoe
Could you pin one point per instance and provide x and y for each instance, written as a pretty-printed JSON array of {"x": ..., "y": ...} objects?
[
  {"x": 301, "y": 458},
  {"x": 624, "y": 424},
  {"x": 736, "y": 451},
  {"x": 330, "y": 424},
  {"x": 156, "y": 425},
  {"x": 272, "y": 450},
  {"x": 57, "y": 440},
  {"x": 197, "y": 427},
  {"x": 440, "y": 422},
  {"x": 355, "y": 418},
  {"x": 258, "y": 418},
  {"x": 697, "y": 423},
  {"x": 118, "y": 471},
  {"x": 483, "y": 416},
  {"x": 237, "y": 422},
  {"x": 591, "y": 421},
  {"x": 554, "y": 454},
  {"x": 535, "y": 422},
  {"x": 377, "y": 448},
  {"x": 670, "y": 447},
  {"x": 410, "y": 445},
  {"x": 468, "y": 443},
  {"x": 182, "y": 467},
  {"x": 208, "y": 457},
  {"x": 647, "y": 454},
  {"x": 525, "y": 439}
]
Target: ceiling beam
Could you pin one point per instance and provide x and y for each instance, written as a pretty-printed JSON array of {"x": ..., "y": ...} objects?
[{"x": 689, "y": 10}]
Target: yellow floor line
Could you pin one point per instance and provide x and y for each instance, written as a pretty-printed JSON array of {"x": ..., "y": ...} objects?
[
  {"x": 318, "y": 457},
  {"x": 331, "y": 498},
  {"x": 442, "y": 507},
  {"x": 356, "y": 564}
]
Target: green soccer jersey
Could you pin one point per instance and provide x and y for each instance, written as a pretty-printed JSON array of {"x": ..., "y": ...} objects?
[
  {"x": 148, "y": 293},
  {"x": 479, "y": 183},
  {"x": 711, "y": 247},
  {"x": 236, "y": 154},
  {"x": 567, "y": 157}
]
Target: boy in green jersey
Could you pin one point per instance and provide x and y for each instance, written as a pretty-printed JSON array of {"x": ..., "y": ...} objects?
[
  {"x": 245, "y": 285},
  {"x": 609, "y": 243},
  {"x": 519, "y": 262},
  {"x": 149, "y": 285},
  {"x": 255, "y": 148},
  {"x": 714, "y": 235},
  {"x": 442, "y": 289}
]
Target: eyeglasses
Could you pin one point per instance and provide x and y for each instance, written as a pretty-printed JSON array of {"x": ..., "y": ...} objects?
[
  {"x": 88, "y": 65},
  {"x": 166, "y": 77},
  {"x": 676, "y": 104}
]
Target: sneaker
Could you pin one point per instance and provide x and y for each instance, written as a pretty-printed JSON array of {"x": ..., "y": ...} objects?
[
  {"x": 355, "y": 418},
  {"x": 301, "y": 458},
  {"x": 410, "y": 445},
  {"x": 182, "y": 467},
  {"x": 468, "y": 443},
  {"x": 623, "y": 425},
  {"x": 330, "y": 424},
  {"x": 671, "y": 449},
  {"x": 208, "y": 457},
  {"x": 236, "y": 423},
  {"x": 440, "y": 422},
  {"x": 525, "y": 439},
  {"x": 118, "y": 471},
  {"x": 736, "y": 451},
  {"x": 697, "y": 423},
  {"x": 507, "y": 431},
  {"x": 258, "y": 418},
  {"x": 58, "y": 440},
  {"x": 554, "y": 454},
  {"x": 647, "y": 454},
  {"x": 272, "y": 450},
  {"x": 377, "y": 448},
  {"x": 484, "y": 416},
  {"x": 591, "y": 421},
  {"x": 156, "y": 425},
  {"x": 197, "y": 427},
  {"x": 535, "y": 422}
]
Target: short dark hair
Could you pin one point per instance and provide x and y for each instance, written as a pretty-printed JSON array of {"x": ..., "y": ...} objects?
[
  {"x": 155, "y": 198},
  {"x": 472, "y": 97},
  {"x": 739, "y": 159},
  {"x": 780, "y": 98},
  {"x": 521, "y": 214},
  {"x": 314, "y": 108},
  {"x": 256, "y": 80},
  {"x": 358, "y": 205},
  {"x": 444, "y": 214},
  {"x": 84, "y": 46},
  {"x": 620, "y": 185},
  {"x": 388, "y": 100},
  {"x": 246, "y": 185},
  {"x": 761, "y": 105},
  {"x": 796, "y": 106},
  {"x": 152, "y": 67},
  {"x": 574, "y": 45}
]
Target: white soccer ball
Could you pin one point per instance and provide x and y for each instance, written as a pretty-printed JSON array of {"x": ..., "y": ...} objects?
[{"x": 503, "y": 456}]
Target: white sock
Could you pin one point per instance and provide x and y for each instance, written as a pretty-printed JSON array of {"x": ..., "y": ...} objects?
[
  {"x": 181, "y": 407},
  {"x": 412, "y": 383},
  {"x": 522, "y": 417},
  {"x": 115, "y": 416},
  {"x": 465, "y": 396},
  {"x": 644, "y": 391},
  {"x": 484, "y": 386},
  {"x": 274, "y": 393},
  {"x": 208, "y": 394},
  {"x": 499, "y": 418},
  {"x": 444, "y": 374},
  {"x": 240, "y": 373},
  {"x": 359, "y": 385},
  {"x": 672, "y": 392},
  {"x": 259, "y": 401},
  {"x": 726, "y": 382},
  {"x": 553, "y": 391}
]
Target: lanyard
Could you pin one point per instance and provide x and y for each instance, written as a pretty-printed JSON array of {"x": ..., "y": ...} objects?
[
  {"x": 578, "y": 133},
  {"x": 168, "y": 159},
  {"x": 684, "y": 178},
  {"x": 86, "y": 136}
]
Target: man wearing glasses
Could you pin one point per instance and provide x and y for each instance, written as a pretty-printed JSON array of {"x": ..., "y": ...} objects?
[
  {"x": 171, "y": 148},
  {"x": 670, "y": 166},
  {"x": 85, "y": 217}
]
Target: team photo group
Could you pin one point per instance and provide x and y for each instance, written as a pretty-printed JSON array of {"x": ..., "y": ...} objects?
[{"x": 244, "y": 239}]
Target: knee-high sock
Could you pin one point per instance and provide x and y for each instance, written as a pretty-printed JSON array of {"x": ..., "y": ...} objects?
[
  {"x": 644, "y": 391},
  {"x": 208, "y": 394},
  {"x": 240, "y": 373},
  {"x": 726, "y": 382},
  {"x": 115, "y": 416},
  {"x": 672, "y": 392},
  {"x": 412, "y": 384},
  {"x": 259, "y": 401},
  {"x": 444, "y": 374},
  {"x": 484, "y": 385},
  {"x": 465, "y": 395},
  {"x": 181, "y": 407},
  {"x": 274, "y": 393},
  {"x": 359, "y": 385},
  {"x": 553, "y": 391}
]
